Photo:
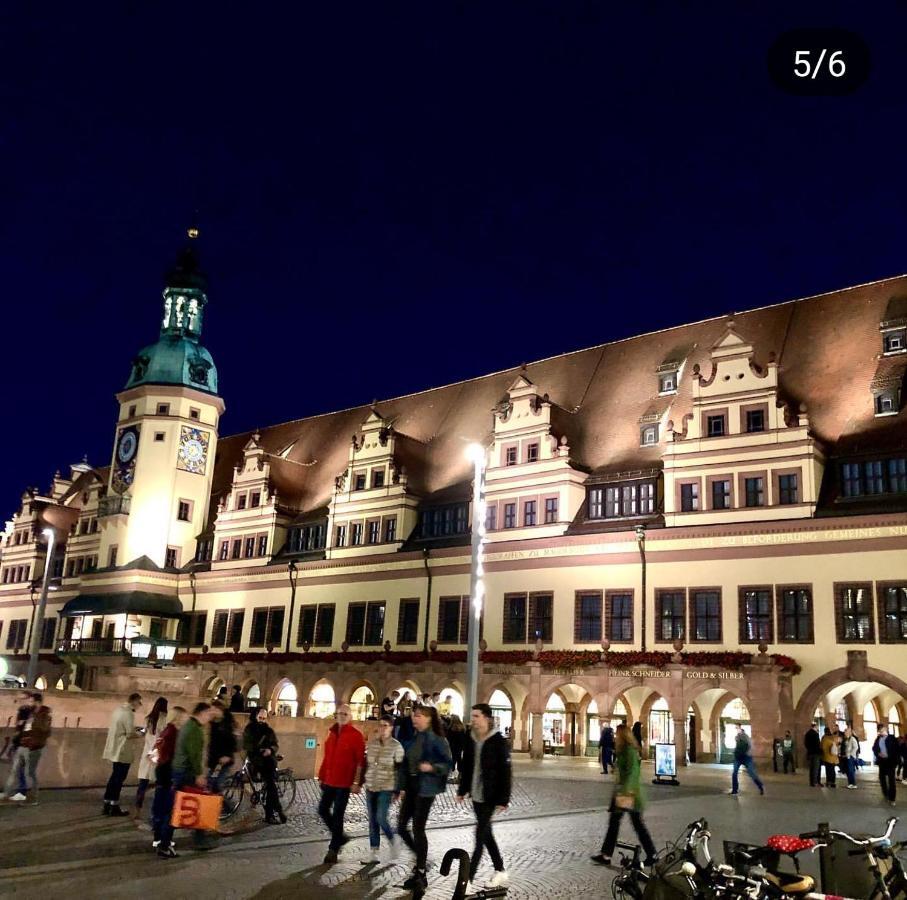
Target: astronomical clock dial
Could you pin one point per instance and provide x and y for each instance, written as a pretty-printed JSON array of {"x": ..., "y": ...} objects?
[
  {"x": 193, "y": 450},
  {"x": 127, "y": 447}
]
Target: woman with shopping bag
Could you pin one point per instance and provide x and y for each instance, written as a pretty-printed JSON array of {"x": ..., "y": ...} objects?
[
  {"x": 627, "y": 798},
  {"x": 260, "y": 744}
]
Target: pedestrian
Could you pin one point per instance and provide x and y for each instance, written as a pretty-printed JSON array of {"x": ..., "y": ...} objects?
[
  {"x": 260, "y": 743},
  {"x": 606, "y": 748},
  {"x": 340, "y": 775},
  {"x": 743, "y": 756},
  {"x": 237, "y": 700},
  {"x": 445, "y": 707},
  {"x": 637, "y": 733},
  {"x": 119, "y": 750},
  {"x": 787, "y": 753},
  {"x": 435, "y": 701},
  {"x": 902, "y": 757},
  {"x": 221, "y": 747},
  {"x": 850, "y": 750},
  {"x": 426, "y": 765},
  {"x": 885, "y": 750},
  {"x": 33, "y": 730},
  {"x": 389, "y": 704},
  {"x": 486, "y": 778},
  {"x": 383, "y": 780},
  {"x": 627, "y": 798},
  {"x": 155, "y": 722},
  {"x": 406, "y": 733},
  {"x": 189, "y": 771},
  {"x": 842, "y": 758},
  {"x": 457, "y": 740},
  {"x": 813, "y": 745},
  {"x": 829, "y": 746},
  {"x": 162, "y": 803}
]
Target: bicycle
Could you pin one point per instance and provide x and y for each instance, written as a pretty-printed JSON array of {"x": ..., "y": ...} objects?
[{"x": 247, "y": 777}]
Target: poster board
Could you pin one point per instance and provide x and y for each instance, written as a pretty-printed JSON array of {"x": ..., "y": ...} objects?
[{"x": 666, "y": 762}]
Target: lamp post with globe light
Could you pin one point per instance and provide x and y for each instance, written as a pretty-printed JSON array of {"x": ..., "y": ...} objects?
[{"x": 476, "y": 454}]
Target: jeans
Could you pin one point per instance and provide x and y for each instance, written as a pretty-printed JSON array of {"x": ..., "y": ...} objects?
[
  {"x": 887, "y": 779},
  {"x": 218, "y": 777},
  {"x": 115, "y": 782},
  {"x": 815, "y": 767},
  {"x": 750, "y": 766},
  {"x": 850, "y": 765},
  {"x": 378, "y": 803},
  {"x": 831, "y": 777},
  {"x": 162, "y": 804},
  {"x": 20, "y": 771},
  {"x": 140, "y": 792},
  {"x": 607, "y": 759},
  {"x": 415, "y": 808},
  {"x": 789, "y": 763},
  {"x": 642, "y": 832},
  {"x": 484, "y": 839},
  {"x": 332, "y": 809}
]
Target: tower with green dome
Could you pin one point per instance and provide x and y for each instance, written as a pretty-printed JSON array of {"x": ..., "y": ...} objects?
[{"x": 166, "y": 435}]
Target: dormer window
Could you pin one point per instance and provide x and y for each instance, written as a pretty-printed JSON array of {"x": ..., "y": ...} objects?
[
  {"x": 895, "y": 341},
  {"x": 377, "y": 478},
  {"x": 241, "y": 501},
  {"x": 532, "y": 452},
  {"x": 667, "y": 383},
  {"x": 359, "y": 481},
  {"x": 886, "y": 404},
  {"x": 510, "y": 456},
  {"x": 648, "y": 435}
]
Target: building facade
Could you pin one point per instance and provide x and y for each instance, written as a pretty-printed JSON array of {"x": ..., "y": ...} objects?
[{"x": 690, "y": 528}]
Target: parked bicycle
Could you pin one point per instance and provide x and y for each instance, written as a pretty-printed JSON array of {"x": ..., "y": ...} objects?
[{"x": 247, "y": 782}]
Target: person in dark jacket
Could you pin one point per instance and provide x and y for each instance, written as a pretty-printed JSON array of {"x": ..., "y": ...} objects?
[
  {"x": 405, "y": 730},
  {"x": 237, "y": 701},
  {"x": 606, "y": 748},
  {"x": 457, "y": 740},
  {"x": 637, "y": 733},
  {"x": 885, "y": 750},
  {"x": 162, "y": 756},
  {"x": 426, "y": 764},
  {"x": 221, "y": 746},
  {"x": 813, "y": 744},
  {"x": 260, "y": 743},
  {"x": 486, "y": 776}
]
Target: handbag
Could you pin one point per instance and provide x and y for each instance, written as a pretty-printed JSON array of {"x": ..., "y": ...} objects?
[
  {"x": 196, "y": 809},
  {"x": 624, "y": 801}
]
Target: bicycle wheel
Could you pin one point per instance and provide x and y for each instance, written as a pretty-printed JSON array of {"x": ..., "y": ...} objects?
[
  {"x": 286, "y": 788},
  {"x": 233, "y": 794}
]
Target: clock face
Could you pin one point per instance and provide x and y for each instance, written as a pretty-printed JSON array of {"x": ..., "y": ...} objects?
[
  {"x": 128, "y": 444},
  {"x": 193, "y": 450}
]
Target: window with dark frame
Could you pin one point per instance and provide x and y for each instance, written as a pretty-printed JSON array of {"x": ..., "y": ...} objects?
[
  {"x": 374, "y": 532},
  {"x": 378, "y": 478},
  {"x": 550, "y": 510},
  {"x": 15, "y": 637},
  {"x": 491, "y": 516},
  {"x": 541, "y": 617},
  {"x": 249, "y": 547},
  {"x": 267, "y": 626},
  {"x": 757, "y": 621},
  {"x": 262, "y": 545},
  {"x": 444, "y": 521},
  {"x": 587, "y": 624},
  {"x": 689, "y": 497},
  {"x": 894, "y": 341},
  {"x": 705, "y": 612},
  {"x": 620, "y": 617},
  {"x": 532, "y": 452},
  {"x": 48, "y": 633},
  {"x": 226, "y": 629},
  {"x": 324, "y": 631},
  {"x": 510, "y": 515},
  {"x": 721, "y": 494},
  {"x": 715, "y": 426},
  {"x": 241, "y": 501},
  {"x": 667, "y": 383},
  {"x": 515, "y": 618},
  {"x": 236, "y": 549},
  {"x": 596, "y": 503},
  {"x": 340, "y": 536},
  {"x": 622, "y": 500},
  {"x": 795, "y": 615},
  {"x": 224, "y": 550},
  {"x": 671, "y": 612},
  {"x": 359, "y": 481},
  {"x": 390, "y": 530},
  {"x": 255, "y": 499},
  {"x": 853, "y": 604},
  {"x": 308, "y": 616},
  {"x": 449, "y": 620},
  {"x": 191, "y": 629},
  {"x": 788, "y": 489},
  {"x": 754, "y": 489},
  {"x": 510, "y": 457},
  {"x": 170, "y": 558},
  {"x": 408, "y": 622},
  {"x": 183, "y": 511},
  {"x": 892, "y": 613},
  {"x": 356, "y": 531},
  {"x": 529, "y": 512},
  {"x": 755, "y": 420}
]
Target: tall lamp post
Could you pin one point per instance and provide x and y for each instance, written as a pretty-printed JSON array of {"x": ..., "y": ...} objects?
[
  {"x": 641, "y": 543},
  {"x": 50, "y": 534},
  {"x": 476, "y": 453}
]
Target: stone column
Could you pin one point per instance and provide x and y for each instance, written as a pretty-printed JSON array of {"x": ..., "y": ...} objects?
[
  {"x": 537, "y": 744},
  {"x": 680, "y": 740}
]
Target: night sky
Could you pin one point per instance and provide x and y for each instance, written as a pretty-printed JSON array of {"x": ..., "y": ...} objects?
[{"x": 393, "y": 196}]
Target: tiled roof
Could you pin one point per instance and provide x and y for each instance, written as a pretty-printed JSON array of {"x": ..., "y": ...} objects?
[{"x": 828, "y": 348}]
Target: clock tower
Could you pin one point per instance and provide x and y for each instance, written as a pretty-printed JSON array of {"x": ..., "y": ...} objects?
[{"x": 166, "y": 435}]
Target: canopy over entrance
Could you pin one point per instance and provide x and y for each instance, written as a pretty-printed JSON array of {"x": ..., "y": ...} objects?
[{"x": 137, "y": 602}]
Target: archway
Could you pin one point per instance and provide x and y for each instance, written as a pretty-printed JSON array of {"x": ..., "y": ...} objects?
[
  {"x": 285, "y": 701},
  {"x": 321, "y": 702},
  {"x": 362, "y": 702},
  {"x": 60, "y": 685},
  {"x": 620, "y": 714},
  {"x": 252, "y": 693},
  {"x": 870, "y": 723},
  {"x": 593, "y": 728},
  {"x": 728, "y": 716},
  {"x": 554, "y": 724},
  {"x": 408, "y": 696},
  {"x": 894, "y": 721},
  {"x": 41, "y": 683},
  {"x": 212, "y": 686},
  {"x": 660, "y": 725},
  {"x": 502, "y": 710},
  {"x": 452, "y": 703}
]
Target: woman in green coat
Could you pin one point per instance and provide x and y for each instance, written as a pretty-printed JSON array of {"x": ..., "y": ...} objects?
[{"x": 627, "y": 798}]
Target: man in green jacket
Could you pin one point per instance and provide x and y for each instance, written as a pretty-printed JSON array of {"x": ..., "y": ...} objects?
[{"x": 189, "y": 771}]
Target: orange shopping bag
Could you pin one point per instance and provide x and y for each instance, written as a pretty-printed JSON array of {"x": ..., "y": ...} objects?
[{"x": 196, "y": 810}]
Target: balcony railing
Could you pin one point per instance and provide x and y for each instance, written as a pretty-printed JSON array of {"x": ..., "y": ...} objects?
[
  {"x": 114, "y": 506},
  {"x": 106, "y": 646}
]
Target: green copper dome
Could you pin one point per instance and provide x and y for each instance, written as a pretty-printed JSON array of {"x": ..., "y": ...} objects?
[{"x": 178, "y": 357}]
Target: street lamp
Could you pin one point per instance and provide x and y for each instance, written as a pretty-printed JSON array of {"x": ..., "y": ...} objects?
[
  {"x": 476, "y": 454},
  {"x": 641, "y": 543},
  {"x": 50, "y": 535}
]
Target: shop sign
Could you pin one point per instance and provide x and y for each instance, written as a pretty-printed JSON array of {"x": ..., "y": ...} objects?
[
  {"x": 726, "y": 676},
  {"x": 640, "y": 673}
]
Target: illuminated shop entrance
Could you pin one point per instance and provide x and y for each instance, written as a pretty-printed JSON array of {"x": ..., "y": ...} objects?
[
  {"x": 593, "y": 729},
  {"x": 502, "y": 712},
  {"x": 734, "y": 713},
  {"x": 661, "y": 725}
]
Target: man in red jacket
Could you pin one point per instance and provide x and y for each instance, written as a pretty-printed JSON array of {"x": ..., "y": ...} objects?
[{"x": 340, "y": 774}]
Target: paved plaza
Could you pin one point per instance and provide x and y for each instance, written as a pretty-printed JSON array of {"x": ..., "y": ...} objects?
[{"x": 64, "y": 848}]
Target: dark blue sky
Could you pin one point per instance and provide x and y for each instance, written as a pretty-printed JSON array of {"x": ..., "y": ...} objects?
[{"x": 397, "y": 195}]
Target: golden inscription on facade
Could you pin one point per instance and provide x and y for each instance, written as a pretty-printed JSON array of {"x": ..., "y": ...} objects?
[{"x": 723, "y": 675}]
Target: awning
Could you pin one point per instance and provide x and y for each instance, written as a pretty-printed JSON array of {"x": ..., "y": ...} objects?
[{"x": 139, "y": 602}]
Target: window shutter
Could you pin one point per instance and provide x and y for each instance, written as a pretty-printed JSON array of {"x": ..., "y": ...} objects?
[
  {"x": 259, "y": 627},
  {"x": 219, "y": 629},
  {"x": 275, "y": 625},
  {"x": 464, "y": 620},
  {"x": 200, "y": 624},
  {"x": 234, "y": 631}
]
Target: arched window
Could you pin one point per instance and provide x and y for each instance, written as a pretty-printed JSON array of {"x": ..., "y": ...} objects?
[
  {"x": 620, "y": 715},
  {"x": 253, "y": 696},
  {"x": 451, "y": 703},
  {"x": 661, "y": 725},
  {"x": 502, "y": 711},
  {"x": 870, "y": 723},
  {"x": 362, "y": 702},
  {"x": 894, "y": 721},
  {"x": 41, "y": 683},
  {"x": 321, "y": 701},
  {"x": 287, "y": 704}
]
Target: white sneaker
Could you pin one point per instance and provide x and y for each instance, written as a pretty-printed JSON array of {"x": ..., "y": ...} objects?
[
  {"x": 371, "y": 857},
  {"x": 851, "y": 787},
  {"x": 18, "y": 798},
  {"x": 499, "y": 879}
]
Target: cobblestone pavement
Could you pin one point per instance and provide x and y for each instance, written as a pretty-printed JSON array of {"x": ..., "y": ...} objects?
[{"x": 64, "y": 848}]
